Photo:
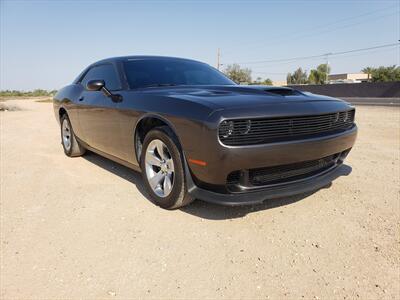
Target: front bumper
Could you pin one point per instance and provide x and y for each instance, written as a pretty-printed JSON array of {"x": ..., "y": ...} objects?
[
  {"x": 222, "y": 160},
  {"x": 214, "y": 186},
  {"x": 261, "y": 195}
]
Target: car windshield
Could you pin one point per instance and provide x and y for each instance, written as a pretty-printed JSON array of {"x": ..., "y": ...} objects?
[{"x": 167, "y": 72}]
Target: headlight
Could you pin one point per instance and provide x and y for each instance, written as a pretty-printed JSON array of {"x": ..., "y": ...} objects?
[{"x": 226, "y": 128}]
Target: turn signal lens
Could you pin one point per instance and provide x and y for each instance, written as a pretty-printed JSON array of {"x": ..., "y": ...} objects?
[{"x": 198, "y": 162}]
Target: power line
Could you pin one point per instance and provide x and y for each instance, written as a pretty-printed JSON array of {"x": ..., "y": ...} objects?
[
  {"x": 280, "y": 64},
  {"x": 369, "y": 52},
  {"x": 256, "y": 69},
  {"x": 262, "y": 72},
  {"x": 318, "y": 56},
  {"x": 317, "y": 31},
  {"x": 329, "y": 30},
  {"x": 334, "y": 29},
  {"x": 364, "y": 49},
  {"x": 269, "y": 73}
]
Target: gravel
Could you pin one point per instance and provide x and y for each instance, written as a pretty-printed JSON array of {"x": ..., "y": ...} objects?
[{"x": 84, "y": 228}]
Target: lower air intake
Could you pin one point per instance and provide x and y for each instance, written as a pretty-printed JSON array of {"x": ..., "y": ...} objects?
[
  {"x": 291, "y": 172},
  {"x": 283, "y": 173}
]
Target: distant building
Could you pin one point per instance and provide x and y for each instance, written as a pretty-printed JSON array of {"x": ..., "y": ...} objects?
[
  {"x": 279, "y": 83},
  {"x": 348, "y": 78}
]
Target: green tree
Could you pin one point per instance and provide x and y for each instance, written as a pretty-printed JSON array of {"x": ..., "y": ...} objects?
[
  {"x": 314, "y": 77},
  {"x": 319, "y": 75},
  {"x": 260, "y": 81},
  {"x": 298, "y": 77},
  {"x": 34, "y": 93},
  {"x": 368, "y": 71},
  {"x": 238, "y": 74},
  {"x": 266, "y": 81},
  {"x": 324, "y": 70},
  {"x": 39, "y": 92},
  {"x": 383, "y": 74}
]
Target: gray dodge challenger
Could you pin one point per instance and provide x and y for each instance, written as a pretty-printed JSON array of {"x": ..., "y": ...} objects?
[{"x": 195, "y": 134}]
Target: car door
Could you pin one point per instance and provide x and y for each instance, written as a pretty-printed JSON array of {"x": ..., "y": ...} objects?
[{"x": 97, "y": 113}]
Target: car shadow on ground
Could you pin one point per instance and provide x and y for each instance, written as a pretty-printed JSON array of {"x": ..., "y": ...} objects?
[
  {"x": 119, "y": 170},
  {"x": 219, "y": 212},
  {"x": 213, "y": 211},
  {"x": 200, "y": 208}
]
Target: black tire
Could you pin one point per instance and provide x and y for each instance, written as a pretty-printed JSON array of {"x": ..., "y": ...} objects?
[
  {"x": 178, "y": 195},
  {"x": 74, "y": 148}
]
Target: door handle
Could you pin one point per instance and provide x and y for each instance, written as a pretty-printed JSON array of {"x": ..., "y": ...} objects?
[{"x": 81, "y": 98}]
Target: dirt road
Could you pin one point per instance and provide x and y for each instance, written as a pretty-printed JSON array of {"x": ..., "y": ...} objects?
[{"x": 82, "y": 227}]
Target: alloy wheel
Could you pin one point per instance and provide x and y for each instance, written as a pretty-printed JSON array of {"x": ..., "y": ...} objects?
[
  {"x": 159, "y": 168},
  {"x": 66, "y": 134}
]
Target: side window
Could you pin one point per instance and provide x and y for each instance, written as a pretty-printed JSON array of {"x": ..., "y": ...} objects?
[{"x": 105, "y": 72}]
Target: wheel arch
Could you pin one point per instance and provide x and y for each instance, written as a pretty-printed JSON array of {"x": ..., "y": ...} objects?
[
  {"x": 62, "y": 111},
  {"x": 148, "y": 122}
]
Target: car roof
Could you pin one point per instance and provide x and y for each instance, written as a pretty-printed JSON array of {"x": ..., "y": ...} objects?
[
  {"x": 131, "y": 57},
  {"x": 143, "y": 57}
]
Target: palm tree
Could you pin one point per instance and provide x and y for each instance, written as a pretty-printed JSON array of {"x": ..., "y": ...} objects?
[{"x": 368, "y": 71}]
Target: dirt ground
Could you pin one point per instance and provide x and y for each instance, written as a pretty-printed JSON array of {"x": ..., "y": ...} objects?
[{"x": 82, "y": 227}]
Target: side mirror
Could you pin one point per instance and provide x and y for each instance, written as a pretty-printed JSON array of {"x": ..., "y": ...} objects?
[
  {"x": 95, "y": 85},
  {"x": 100, "y": 85}
]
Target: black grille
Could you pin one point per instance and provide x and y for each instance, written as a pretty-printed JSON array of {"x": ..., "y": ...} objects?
[
  {"x": 291, "y": 172},
  {"x": 260, "y": 131}
]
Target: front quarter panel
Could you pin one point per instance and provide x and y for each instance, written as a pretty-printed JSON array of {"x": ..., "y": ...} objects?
[
  {"x": 186, "y": 119},
  {"x": 67, "y": 99}
]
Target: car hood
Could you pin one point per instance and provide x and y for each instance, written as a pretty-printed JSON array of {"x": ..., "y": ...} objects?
[{"x": 237, "y": 96}]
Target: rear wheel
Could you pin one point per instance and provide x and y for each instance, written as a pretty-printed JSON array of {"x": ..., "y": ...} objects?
[
  {"x": 162, "y": 169},
  {"x": 68, "y": 140}
]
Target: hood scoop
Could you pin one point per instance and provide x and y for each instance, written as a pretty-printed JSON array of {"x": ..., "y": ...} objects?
[
  {"x": 262, "y": 89},
  {"x": 283, "y": 92}
]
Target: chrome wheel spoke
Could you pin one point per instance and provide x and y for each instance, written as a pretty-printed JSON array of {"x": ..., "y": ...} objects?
[
  {"x": 155, "y": 181},
  {"x": 160, "y": 150},
  {"x": 152, "y": 159},
  {"x": 167, "y": 184},
  {"x": 159, "y": 168}
]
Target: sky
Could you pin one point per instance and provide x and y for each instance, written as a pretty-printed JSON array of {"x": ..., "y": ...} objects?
[{"x": 46, "y": 44}]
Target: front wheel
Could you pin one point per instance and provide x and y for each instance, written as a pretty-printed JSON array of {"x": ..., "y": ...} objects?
[
  {"x": 162, "y": 169},
  {"x": 68, "y": 140}
]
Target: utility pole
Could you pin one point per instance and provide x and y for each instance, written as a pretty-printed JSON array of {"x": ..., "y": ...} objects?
[
  {"x": 327, "y": 66},
  {"x": 218, "y": 55}
]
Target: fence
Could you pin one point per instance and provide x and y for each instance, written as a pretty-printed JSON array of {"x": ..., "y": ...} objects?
[{"x": 364, "y": 89}]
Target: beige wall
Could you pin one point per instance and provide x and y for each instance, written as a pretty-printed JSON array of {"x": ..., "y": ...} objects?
[
  {"x": 351, "y": 76},
  {"x": 279, "y": 83}
]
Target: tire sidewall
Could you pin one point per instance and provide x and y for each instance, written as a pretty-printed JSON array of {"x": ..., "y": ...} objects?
[
  {"x": 63, "y": 119},
  {"x": 178, "y": 188}
]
